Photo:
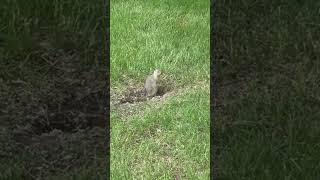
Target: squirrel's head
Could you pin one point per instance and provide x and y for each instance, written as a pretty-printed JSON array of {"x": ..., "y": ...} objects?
[{"x": 156, "y": 73}]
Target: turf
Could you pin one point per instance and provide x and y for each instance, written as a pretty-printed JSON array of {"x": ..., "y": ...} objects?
[
  {"x": 170, "y": 36},
  {"x": 167, "y": 138}
]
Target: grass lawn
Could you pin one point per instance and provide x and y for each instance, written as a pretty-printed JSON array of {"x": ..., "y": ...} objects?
[
  {"x": 268, "y": 83},
  {"x": 168, "y": 137}
]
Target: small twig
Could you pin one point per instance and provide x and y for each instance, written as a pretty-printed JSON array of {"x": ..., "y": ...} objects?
[{"x": 48, "y": 61}]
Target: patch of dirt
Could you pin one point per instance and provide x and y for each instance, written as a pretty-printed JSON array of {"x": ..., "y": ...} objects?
[
  {"x": 135, "y": 93},
  {"x": 131, "y": 100},
  {"x": 55, "y": 112}
]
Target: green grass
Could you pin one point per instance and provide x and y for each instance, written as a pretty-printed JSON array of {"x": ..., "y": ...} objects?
[
  {"x": 170, "y": 137},
  {"x": 171, "y": 36},
  {"x": 269, "y": 125}
]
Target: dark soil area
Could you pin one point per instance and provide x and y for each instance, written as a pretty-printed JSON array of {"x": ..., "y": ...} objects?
[
  {"x": 53, "y": 90},
  {"x": 137, "y": 94},
  {"x": 52, "y": 118}
]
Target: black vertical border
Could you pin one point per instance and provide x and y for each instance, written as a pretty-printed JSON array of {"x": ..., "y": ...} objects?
[
  {"x": 214, "y": 134},
  {"x": 107, "y": 80},
  {"x": 212, "y": 91}
]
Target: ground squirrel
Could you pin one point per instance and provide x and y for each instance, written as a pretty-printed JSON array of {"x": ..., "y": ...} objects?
[{"x": 151, "y": 87}]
